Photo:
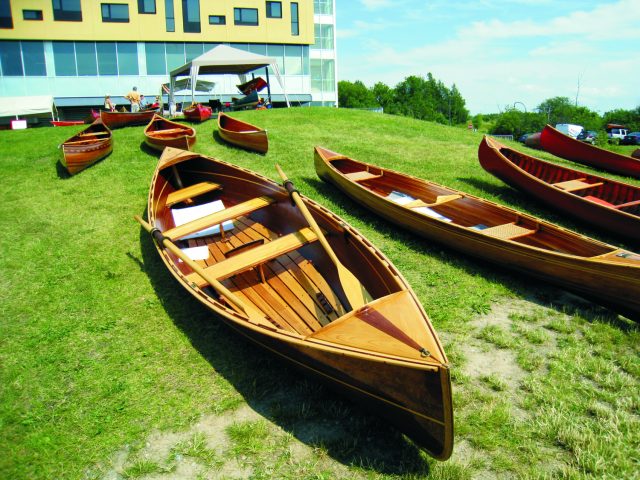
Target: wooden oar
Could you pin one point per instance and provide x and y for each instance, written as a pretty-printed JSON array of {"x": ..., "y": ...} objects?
[
  {"x": 253, "y": 314},
  {"x": 356, "y": 294}
]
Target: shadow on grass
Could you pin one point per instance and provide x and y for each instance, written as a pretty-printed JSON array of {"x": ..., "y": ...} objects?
[
  {"x": 62, "y": 171},
  {"x": 304, "y": 408},
  {"x": 539, "y": 292},
  {"x": 148, "y": 150}
]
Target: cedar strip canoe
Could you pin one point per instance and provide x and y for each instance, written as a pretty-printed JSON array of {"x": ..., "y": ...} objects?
[
  {"x": 161, "y": 133},
  {"x": 385, "y": 355},
  {"x": 242, "y": 134},
  {"x": 66, "y": 123},
  {"x": 614, "y": 206},
  {"x": 86, "y": 147},
  {"x": 126, "y": 119},
  {"x": 498, "y": 234},
  {"x": 567, "y": 147},
  {"x": 254, "y": 85},
  {"x": 197, "y": 113}
]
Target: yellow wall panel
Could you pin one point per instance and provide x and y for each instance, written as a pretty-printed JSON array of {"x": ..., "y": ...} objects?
[{"x": 152, "y": 27}]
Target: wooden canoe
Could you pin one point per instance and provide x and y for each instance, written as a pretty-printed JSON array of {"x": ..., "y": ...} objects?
[
  {"x": 126, "y": 119},
  {"x": 477, "y": 227},
  {"x": 66, "y": 123},
  {"x": 254, "y": 85},
  {"x": 87, "y": 147},
  {"x": 197, "y": 113},
  {"x": 385, "y": 354},
  {"x": 567, "y": 147},
  {"x": 242, "y": 134},
  {"x": 161, "y": 133},
  {"x": 614, "y": 206}
]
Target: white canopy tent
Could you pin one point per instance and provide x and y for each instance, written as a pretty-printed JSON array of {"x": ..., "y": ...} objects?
[
  {"x": 17, "y": 106},
  {"x": 223, "y": 60}
]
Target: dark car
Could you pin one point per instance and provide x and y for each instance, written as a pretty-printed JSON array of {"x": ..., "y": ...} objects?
[
  {"x": 588, "y": 136},
  {"x": 632, "y": 138},
  {"x": 523, "y": 137}
]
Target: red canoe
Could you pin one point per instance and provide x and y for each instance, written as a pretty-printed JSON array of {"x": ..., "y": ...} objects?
[
  {"x": 256, "y": 84},
  {"x": 564, "y": 146},
  {"x": 66, "y": 123},
  {"x": 197, "y": 113},
  {"x": 614, "y": 206}
]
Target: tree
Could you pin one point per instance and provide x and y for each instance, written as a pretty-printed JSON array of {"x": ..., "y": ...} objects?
[{"x": 355, "y": 95}]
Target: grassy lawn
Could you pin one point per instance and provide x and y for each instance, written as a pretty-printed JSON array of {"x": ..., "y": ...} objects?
[{"x": 108, "y": 369}]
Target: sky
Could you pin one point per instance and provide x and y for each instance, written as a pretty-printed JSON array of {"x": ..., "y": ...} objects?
[{"x": 499, "y": 54}]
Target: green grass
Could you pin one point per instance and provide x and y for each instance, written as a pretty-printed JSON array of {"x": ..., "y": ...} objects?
[{"x": 107, "y": 367}]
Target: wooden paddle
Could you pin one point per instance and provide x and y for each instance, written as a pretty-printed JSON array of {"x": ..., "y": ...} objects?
[
  {"x": 356, "y": 294},
  {"x": 252, "y": 313}
]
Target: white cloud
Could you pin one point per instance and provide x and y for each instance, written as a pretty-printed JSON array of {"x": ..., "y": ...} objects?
[{"x": 375, "y": 4}]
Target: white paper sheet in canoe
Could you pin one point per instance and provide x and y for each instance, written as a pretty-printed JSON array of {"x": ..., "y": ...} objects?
[
  {"x": 431, "y": 213},
  {"x": 196, "y": 253},
  {"x": 185, "y": 215},
  {"x": 400, "y": 198}
]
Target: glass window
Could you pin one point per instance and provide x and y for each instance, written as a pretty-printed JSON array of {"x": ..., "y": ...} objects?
[
  {"x": 32, "y": 14},
  {"x": 323, "y": 37},
  {"x": 170, "y": 16},
  {"x": 64, "y": 59},
  {"x": 146, "y": 6},
  {"x": 192, "y": 50},
  {"x": 33, "y": 54},
  {"x": 107, "y": 58},
  {"x": 191, "y": 16},
  {"x": 277, "y": 52},
  {"x": 259, "y": 48},
  {"x": 175, "y": 55},
  {"x": 86, "y": 58},
  {"x": 305, "y": 60},
  {"x": 10, "y": 59},
  {"x": 156, "y": 63},
  {"x": 274, "y": 9},
  {"x": 127, "y": 58},
  {"x": 323, "y": 7},
  {"x": 67, "y": 10},
  {"x": 293, "y": 59},
  {"x": 115, "y": 12},
  {"x": 217, "y": 20},
  {"x": 328, "y": 76},
  {"x": 295, "y": 20},
  {"x": 6, "y": 20},
  {"x": 245, "y": 16}
]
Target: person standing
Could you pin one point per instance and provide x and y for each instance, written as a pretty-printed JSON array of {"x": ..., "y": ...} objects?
[{"x": 134, "y": 98}]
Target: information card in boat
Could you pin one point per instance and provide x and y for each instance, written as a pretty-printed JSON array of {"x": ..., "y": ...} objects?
[{"x": 186, "y": 215}]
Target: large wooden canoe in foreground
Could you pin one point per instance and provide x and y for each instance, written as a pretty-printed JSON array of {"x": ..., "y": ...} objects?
[
  {"x": 477, "y": 227},
  {"x": 567, "y": 147},
  {"x": 276, "y": 284},
  {"x": 161, "y": 133},
  {"x": 126, "y": 119},
  {"x": 242, "y": 134},
  {"x": 614, "y": 206},
  {"x": 87, "y": 147}
]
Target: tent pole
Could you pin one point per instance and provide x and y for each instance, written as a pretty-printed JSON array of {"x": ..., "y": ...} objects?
[{"x": 266, "y": 69}]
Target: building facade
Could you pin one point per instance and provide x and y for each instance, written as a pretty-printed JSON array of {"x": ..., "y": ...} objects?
[{"x": 78, "y": 51}]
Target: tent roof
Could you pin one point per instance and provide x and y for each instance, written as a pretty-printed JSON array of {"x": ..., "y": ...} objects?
[
  {"x": 11, "y": 106},
  {"x": 185, "y": 84},
  {"x": 225, "y": 60}
]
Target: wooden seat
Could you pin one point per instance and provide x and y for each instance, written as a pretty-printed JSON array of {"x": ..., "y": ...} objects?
[
  {"x": 93, "y": 134},
  {"x": 628, "y": 204},
  {"x": 168, "y": 130},
  {"x": 256, "y": 256},
  {"x": 361, "y": 176},
  {"x": 508, "y": 231},
  {"x": 190, "y": 192},
  {"x": 574, "y": 185},
  {"x": 216, "y": 218}
]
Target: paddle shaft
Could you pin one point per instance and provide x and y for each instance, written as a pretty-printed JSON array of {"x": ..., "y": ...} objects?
[
  {"x": 352, "y": 286},
  {"x": 169, "y": 245}
]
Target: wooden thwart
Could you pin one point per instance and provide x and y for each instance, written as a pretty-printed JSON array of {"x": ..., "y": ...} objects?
[
  {"x": 256, "y": 256},
  {"x": 574, "y": 185},
  {"x": 190, "y": 192},
  {"x": 361, "y": 176},
  {"x": 628, "y": 204},
  {"x": 216, "y": 218}
]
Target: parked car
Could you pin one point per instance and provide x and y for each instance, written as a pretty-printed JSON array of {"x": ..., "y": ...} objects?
[
  {"x": 523, "y": 137},
  {"x": 588, "y": 136},
  {"x": 632, "y": 138},
  {"x": 616, "y": 132},
  {"x": 569, "y": 129}
]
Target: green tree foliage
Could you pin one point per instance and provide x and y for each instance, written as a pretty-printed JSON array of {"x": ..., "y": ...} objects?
[
  {"x": 417, "y": 97},
  {"x": 355, "y": 95},
  {"x": 628, "y": 118}
]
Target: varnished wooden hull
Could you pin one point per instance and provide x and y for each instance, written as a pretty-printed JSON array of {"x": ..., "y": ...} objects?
[
  {"x": 66, "y": 123},
  {"x": 363, "y": 354},
  {"x": 567, "y": 147},
  {"x": 242, "y": 134},
  {"x": 126, "y": 119},
  {"x": 161, "y": 133},
  {"x": 197, "y": 113},
  {"x": 587, "y": 267},
  {"x": 86, "y": 147},
  {"x": 601, "y": 205}
]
